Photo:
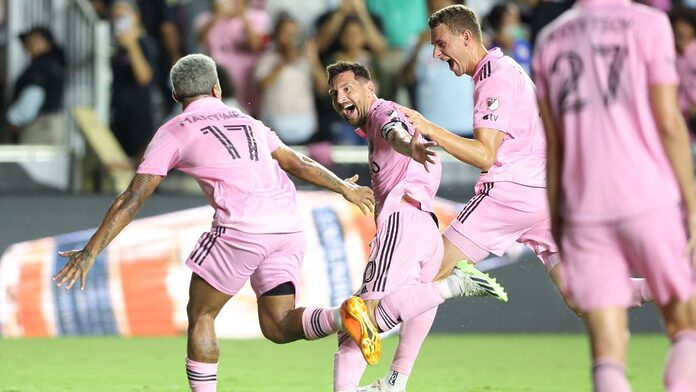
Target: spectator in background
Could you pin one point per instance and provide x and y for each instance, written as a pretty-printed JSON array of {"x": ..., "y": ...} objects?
[
  {"x": 132, "y": 65},
  {"x": 508, "y": 34},
  {"x": 437, "y": 93},
  {"x": 34, "y": 112},
  {"x": 542, "y": 12},
  {"x": 305, "y": 12},
  {"x": 331, "y": 24},
  {"x": 288, "y": 76},
  {"x": 227, "y": 88},
  {"x": 684, "y": 27},
  {"x": 159, "y": 20},
  {"x": 234, "y": 35}
]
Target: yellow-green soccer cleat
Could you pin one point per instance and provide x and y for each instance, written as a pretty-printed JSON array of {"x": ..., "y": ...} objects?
[
  {"x": 475, "y": 283},
  {"x": 357, "y": 324}
]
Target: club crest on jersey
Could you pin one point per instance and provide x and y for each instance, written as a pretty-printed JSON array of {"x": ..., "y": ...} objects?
[{"x": 492, "y": 103}]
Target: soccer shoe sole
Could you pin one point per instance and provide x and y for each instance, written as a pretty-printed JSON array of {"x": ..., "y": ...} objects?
[
  {"x": 357, "y": 324},
  {"x": 483, "y": 280}
]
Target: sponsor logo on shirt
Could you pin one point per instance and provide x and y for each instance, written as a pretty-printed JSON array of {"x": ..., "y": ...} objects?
[
  {"x": 492, "y": 103},
  {"x": 490, "y": 116}
]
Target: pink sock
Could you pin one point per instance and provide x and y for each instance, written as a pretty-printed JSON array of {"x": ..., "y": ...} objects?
[
  {"x": 609, "y": 376},
  {"x": 202, "y": 377},
  {"x": 411, "y": 337},
  {"x": 641, "y": 292},
  {"x": 406, "y": 304},
  {"x": 680, "y": 372},
  {"x": 319, "y": 322},
  {"x": 349, "y": 365}
]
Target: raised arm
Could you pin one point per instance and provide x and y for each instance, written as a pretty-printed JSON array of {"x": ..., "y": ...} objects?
[
  {"x": 675, "y": 141},
  {"x": 305, "y": 168},
  {"x": 479, "y": 152},
  {"x": 120, "y": 214}
]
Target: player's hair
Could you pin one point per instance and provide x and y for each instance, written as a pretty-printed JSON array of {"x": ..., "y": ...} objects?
[
  {"x": 193, "y": 75},
  {"x": 457, "y": 18},
  {"x": 335, "y": 69}
]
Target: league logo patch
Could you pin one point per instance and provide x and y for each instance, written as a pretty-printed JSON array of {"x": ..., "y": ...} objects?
[{"x": 492, "y": 103}]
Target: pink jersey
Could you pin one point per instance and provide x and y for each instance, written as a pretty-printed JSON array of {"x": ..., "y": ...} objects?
[
  {"x": 395, "y": 175},
  {"x": 504, "y": 100},
  {"x": 229, "y": 154},
  {"x": 595, "y": 64},
  {"x": 686, "y": 69}
]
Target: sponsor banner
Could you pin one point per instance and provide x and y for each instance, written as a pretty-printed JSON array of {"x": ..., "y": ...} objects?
[{"x": 139, "y": 285}]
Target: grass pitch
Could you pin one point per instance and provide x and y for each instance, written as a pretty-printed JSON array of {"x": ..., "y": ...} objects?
[{"x": 461, "y": 363}]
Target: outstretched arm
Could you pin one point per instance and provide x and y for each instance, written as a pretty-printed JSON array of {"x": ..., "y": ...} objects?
[
  {"x": 307, "y": 169},
  {"x": 479, "y": 152},
  {"x": 120, "y": 214},
  {"x": 410, "y": 146}
]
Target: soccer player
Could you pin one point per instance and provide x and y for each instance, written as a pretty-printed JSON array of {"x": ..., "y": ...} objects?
[
  {"x": 407, "y": 248},
  {"x": 257, "y": 231},
  {"x": 618, "y": 168}
]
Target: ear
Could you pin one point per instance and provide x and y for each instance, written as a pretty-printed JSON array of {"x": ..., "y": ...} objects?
[
  {"x": 371, "y": 86},
  {"x": 217, "y": 91},
  {"x": 175, "y": 97},
  {"x": 467, "y": 37}
]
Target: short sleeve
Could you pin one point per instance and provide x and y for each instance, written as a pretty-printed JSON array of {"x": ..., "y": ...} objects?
[
  {"x": 494, "y": 101},
  {"x": 661, "y": 55},
  {"x": 161, "y": 155},
  {"x": 273, "y": 140},
  {"x": 386, "y": 117}
]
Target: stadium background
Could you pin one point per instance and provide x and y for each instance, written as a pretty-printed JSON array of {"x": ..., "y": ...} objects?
[{"x": 52, "y": 197}]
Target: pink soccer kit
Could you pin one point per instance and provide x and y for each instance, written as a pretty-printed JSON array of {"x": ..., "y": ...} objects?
[
  {"x": 407, "y": 249},
  {"x": 510, "y": 202},
  {"x": 619, "y": 194},
  {"x": 257, "y": 230}
]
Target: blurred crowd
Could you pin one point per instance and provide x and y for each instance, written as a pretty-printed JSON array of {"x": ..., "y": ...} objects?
[{"x": 272, "y": 54}]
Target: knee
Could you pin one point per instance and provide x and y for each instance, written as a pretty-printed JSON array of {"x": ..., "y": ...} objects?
[{"x": 274, "y": 333}]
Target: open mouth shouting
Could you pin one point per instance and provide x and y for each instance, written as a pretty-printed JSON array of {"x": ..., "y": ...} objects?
[{"x": 349, "y": 111}]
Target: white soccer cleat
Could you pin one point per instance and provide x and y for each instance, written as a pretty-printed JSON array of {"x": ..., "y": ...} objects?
[
  {"x": 475, "y": 283},
  {"x": 377, "y": 386}
]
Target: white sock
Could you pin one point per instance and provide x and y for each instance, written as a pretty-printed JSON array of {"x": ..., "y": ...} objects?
[
  {"x": 450, "y": 287},
  {"x": 338, "y": 321},
  {"x": 395, "y": 381}
]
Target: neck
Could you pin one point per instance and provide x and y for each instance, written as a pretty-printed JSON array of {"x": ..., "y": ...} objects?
[
  {"x": 480, "y": 52},
  {"x": 187, "y": 101}
]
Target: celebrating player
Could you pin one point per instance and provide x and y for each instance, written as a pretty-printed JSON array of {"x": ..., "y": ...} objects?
[
  {"x": 618, "y": 167},
  {"x": 257, "y": 231}
]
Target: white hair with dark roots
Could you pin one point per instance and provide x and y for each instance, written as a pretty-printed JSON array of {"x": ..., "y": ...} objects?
[{"x": 193, "y": 75}]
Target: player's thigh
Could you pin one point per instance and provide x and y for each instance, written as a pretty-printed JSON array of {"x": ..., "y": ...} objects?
[
  {"x": 204, "y": 299},
  {"x": 452, "y": 254},
  {"x": 407, "y": 247},
  {"x": 607, "y": 330},
  {"x": 656, "y": 245},
  {"x": 594, "y": 269}
]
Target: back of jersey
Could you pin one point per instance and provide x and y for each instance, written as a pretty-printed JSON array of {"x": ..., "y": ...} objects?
[
  {"x": 595, "y": 65},
  {"x": 229, "y": 154}
]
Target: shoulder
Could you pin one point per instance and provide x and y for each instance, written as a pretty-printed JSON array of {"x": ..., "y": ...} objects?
[
  {"x": 497, "y": 73},
  {"x": 555, "y": 25}
]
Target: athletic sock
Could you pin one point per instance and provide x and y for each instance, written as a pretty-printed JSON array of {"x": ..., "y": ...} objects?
[
  {"x": 320, "y": 322},
  {"x": 202, "y": 377},
  {"x": 680, "y": 372},
  {"x": 349, "y": 364},
  {"x": 609, "y": 375},
  {"x": 406, "y": 304},
  {"x": 394, "y": 381},
  {"x": 411, "y": 336},
  {"x": 450, "y": 286}
]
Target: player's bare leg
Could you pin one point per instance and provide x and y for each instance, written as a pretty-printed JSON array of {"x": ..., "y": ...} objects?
[
  {"x": 280, "y": 321},
  {"x": 452, "y": 256},
  {"x": 680, "y": 323},
  {"x": 205, "y": 302},
  {"x": 608, "y": 342}
]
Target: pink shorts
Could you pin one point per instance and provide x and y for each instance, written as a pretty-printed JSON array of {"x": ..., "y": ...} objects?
[
  {"x": 406, "y": 250},
  {"x": 226, "y": 258},
  {"x": 500, "y": 214},
  {"x": 598, "y": 259}
]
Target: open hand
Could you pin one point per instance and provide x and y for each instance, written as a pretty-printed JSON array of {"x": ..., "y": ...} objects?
[
  {"x": 361, "y": 196},
  {"x": 79, "y": 263},
  {"x": 421, "y": 151}
]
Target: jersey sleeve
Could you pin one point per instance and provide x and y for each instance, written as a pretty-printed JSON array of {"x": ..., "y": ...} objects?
[
  {"x": 661, "y": 55},
  {"x": 161, "y": 155},
  {"x": 386, "y": 117},
  {"x": 273, "y": 140},
  {"x": 494, "y": 102}
]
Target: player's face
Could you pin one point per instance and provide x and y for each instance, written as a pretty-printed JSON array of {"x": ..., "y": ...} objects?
[
  {"x": 450, "y": 48},
  {"x": 351, "y": 97}
]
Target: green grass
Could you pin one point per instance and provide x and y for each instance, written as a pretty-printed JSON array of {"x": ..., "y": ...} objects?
[{"x": 460, "y": 363}]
